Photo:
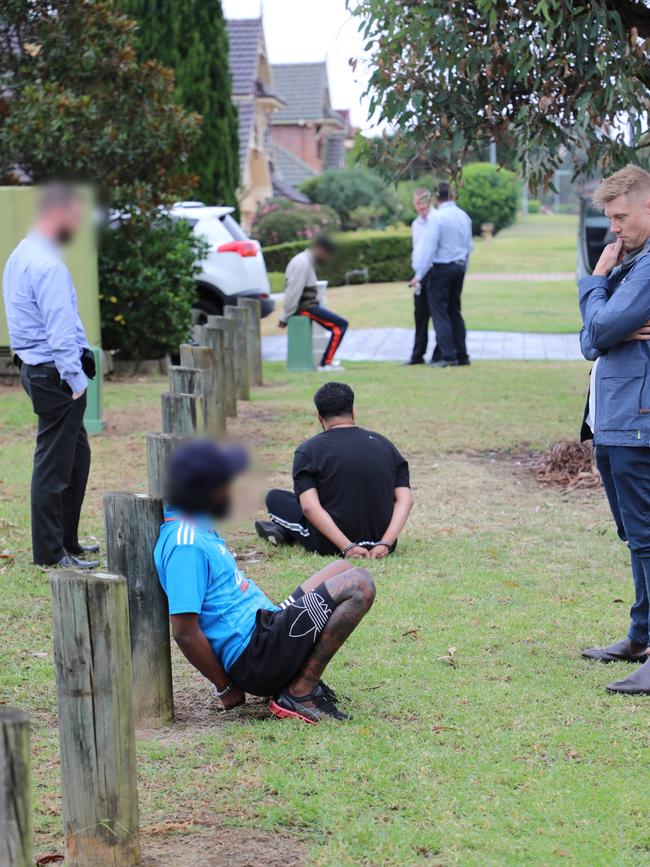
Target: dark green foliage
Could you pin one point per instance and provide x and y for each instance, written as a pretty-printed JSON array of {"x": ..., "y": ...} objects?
[
  {"x": 543, "y": 79},
  {"x": 80, "y": 105},
  {"x": 281, "y": 220},
  {"x": 347, "y": 189},
  {"x": 386, "y": 255},
  {"x": 489, "y": 195},
  {"x": 189, "y": 36},
  {"x": 146, "y": 274}
]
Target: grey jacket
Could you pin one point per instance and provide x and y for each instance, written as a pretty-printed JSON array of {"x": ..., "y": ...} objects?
[{"x": 612, "y": 308}]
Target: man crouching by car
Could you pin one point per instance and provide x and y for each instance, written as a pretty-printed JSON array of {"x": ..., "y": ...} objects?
[
  {"x": 224, "y": 624},
  {"x": 615, "y": 308}
]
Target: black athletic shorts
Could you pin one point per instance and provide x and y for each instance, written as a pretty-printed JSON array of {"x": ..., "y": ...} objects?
[{"x": 281, "y": 641}]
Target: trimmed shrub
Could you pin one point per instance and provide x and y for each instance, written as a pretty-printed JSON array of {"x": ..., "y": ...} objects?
[
  {"x": 534, "y": 206},
  {"x": 347, "y": 190},
  {"x": 489, "y": 195},
  {"x": 147, "y": 288},
  {"x": 386, "y": 255},
  {"x": 281, "y": 220}
]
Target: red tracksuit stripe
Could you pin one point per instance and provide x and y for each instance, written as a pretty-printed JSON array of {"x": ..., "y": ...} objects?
[{"x": 335, "y": 339}]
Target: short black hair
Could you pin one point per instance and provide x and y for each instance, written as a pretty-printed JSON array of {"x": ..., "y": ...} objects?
[
  {"x": 443, "y": 191},
  {"x": 334, "y": 399},
  {"x": 325, "y": 243}
]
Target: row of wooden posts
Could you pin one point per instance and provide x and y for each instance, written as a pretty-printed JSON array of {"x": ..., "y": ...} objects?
[{"x": 110, "y": 630}]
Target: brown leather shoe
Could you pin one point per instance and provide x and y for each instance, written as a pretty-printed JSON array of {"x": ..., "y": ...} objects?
[
  {"x": 637, "y": 683},
  {"x": 625, "y": 650}
]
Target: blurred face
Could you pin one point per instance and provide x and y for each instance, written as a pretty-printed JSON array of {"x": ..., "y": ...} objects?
[
  {"x": 222, "y": 503},
  {"x": 321, "y": 255},
  {"x": 67, "y": 220},
  {"x": 422, "y": 205},
  {"x": 630, "y": 219}
]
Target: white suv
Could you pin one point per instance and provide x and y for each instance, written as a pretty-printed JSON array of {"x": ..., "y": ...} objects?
[{"x": 234, "y": 266}]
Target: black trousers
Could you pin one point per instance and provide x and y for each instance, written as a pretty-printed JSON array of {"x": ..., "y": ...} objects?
[
  {"x": 61, "y": 463},
  {"x": 421, "y": 315},
  {"x": 444, "y": 286},
  {"x": 284, "y": 510}
]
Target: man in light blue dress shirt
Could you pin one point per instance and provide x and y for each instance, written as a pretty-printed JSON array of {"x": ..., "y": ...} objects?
[
  {"x": 55, "y": 362},
  {"x": 439, "y": 264}
]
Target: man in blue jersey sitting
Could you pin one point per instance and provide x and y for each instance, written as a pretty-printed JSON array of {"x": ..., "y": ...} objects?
[{"x": 223, "y": 623}]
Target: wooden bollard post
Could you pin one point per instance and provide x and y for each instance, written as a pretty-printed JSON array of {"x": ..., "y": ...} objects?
[
  {"x": 90, "y": 630},
  {"x": 213, "y": 338},
  {"x": 15, "y": 790},
  {"x": 254, "y": 338},
  {"x": 242, "y": 373},
  {"x": 185, "y": 380},
  {"x": 189, "y": 380},
  {"x": 202, "y": 357},
  {"x": 181, "y": 413},
  {"x": 228, "y": 328},
  {"x": 159, "y": 448},
  {"x": 132, "y": 525}
]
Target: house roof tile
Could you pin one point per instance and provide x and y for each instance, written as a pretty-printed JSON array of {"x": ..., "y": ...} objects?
[
  {"x": 305, "y": 89},
  {"x": 244, "y": 35}
]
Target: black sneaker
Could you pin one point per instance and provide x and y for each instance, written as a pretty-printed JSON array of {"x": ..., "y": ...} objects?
[
  {"x": 312, "y": 708},
  {"x": 328, "y": 691},
  {"x": 273, "y": 533}
]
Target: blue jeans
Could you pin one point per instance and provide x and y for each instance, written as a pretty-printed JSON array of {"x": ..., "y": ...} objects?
[{"x": 625, "y": 471}]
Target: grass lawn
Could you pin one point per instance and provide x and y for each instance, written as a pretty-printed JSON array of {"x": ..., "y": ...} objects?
[
  {"x": 513, "y": 755},
  {"x": 539, "y": 244}
]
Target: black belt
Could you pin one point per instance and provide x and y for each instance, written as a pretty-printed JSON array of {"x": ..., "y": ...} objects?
[
  {"x": 459, "y": 262},
  {"x": 42, "y": 364}
]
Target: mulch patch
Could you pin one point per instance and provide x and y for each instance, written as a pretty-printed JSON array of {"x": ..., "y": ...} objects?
[
  {"x": 163, "y": 846},
  {"x": 567, "y": 465}
]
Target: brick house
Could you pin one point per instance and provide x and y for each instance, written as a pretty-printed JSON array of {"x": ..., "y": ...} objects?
[{"x": 308, "y": 135}]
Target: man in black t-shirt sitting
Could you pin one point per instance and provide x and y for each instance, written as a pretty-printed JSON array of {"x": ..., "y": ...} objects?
[{"x": 352, "y": 495}]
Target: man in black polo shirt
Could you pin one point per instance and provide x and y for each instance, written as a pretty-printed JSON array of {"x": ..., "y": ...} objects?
[{"x": 352, "y": 495}]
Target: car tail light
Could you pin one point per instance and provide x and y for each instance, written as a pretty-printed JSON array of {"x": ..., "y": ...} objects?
[
  {"x": 243, "y": 248},
  {"x": 264, "y": 295}
]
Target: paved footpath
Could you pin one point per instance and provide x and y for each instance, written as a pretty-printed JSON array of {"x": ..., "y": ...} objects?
[{"x": 394, "y": 344}]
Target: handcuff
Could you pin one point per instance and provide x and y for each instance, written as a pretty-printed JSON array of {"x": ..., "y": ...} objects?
[
  {"x": 223, "y": 692},
  {"x": 356, "y": 545}
]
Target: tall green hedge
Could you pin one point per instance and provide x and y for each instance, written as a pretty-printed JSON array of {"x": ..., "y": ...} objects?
[{"x": 386, "y": 255}]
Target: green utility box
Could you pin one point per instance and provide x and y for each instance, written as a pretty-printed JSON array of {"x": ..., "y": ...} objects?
[
  {"x": 17, "y": 212},
  {"x": 300, "y": 355}
]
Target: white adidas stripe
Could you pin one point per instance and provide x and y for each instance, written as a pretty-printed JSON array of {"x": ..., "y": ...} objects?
[{"x": 288, "y": 525}]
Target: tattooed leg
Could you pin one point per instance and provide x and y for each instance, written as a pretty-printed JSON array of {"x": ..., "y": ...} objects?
[
  {"x": 329, "y": 571},
  {"x": 354, "y": 592}
]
